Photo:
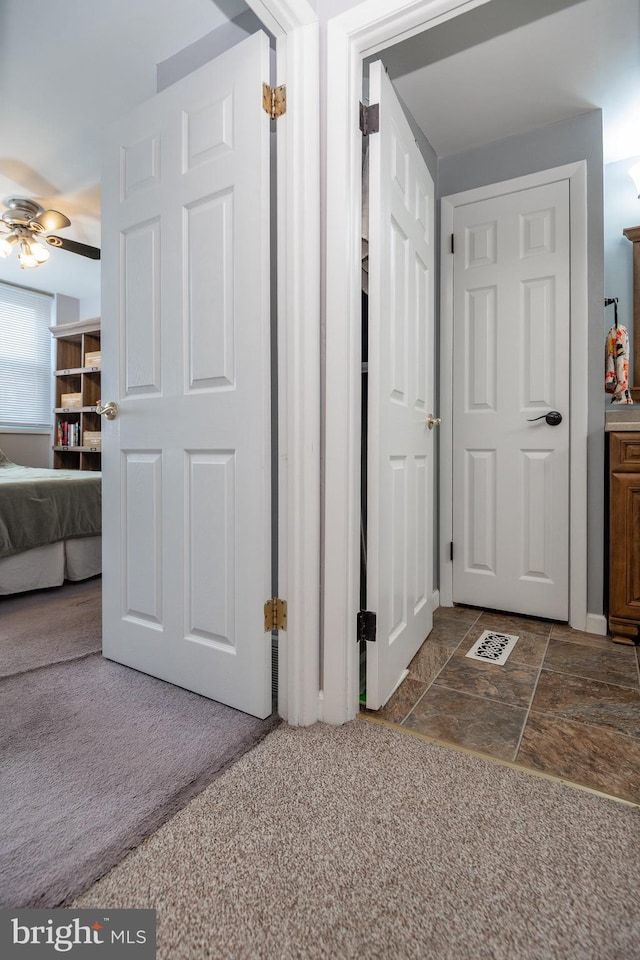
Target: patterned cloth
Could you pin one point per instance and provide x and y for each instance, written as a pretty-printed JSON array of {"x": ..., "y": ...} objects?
[{"x": 616, "y": 375}]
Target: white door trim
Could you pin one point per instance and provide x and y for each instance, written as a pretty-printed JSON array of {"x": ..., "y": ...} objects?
[
  {"x": 576, "y": 174},
  {"x": 294, "y": 24},
  {"x": 350, "y": 37}
]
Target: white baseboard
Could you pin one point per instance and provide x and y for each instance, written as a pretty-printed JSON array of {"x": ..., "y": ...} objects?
[{"x": 596, "y": 623}]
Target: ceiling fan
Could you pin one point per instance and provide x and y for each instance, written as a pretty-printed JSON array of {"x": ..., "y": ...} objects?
[{"x": 25, "y": 225}]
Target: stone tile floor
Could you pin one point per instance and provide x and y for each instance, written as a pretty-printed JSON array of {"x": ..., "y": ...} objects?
[{"x": 565, "y": 703}]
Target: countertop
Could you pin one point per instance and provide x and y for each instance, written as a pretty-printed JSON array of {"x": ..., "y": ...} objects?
[{"x": 626, "y": 417}]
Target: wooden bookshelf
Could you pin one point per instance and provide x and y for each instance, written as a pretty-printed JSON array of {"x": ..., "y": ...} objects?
[{"x": 79, "y": 380}]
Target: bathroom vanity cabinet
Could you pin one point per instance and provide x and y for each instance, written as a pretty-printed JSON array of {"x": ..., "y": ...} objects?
[{"x": 624, "y": 535}]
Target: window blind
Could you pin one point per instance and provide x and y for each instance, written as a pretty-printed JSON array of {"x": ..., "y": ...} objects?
[{"x": 25, "y": 358}]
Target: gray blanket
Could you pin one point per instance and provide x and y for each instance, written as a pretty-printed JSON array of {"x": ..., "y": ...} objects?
[{"x": 39, "y": 506}]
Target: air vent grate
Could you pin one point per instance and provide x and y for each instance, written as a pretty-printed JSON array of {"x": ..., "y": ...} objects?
[{"x": 492, "y": 647}]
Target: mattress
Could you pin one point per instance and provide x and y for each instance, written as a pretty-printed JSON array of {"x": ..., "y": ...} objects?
[{"x": 50, "y": 565}]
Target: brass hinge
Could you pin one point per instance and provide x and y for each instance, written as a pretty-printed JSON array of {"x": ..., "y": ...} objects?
[
  {"x": 274, "y": 100},
  {"x": 275, "y": 614},
  {"x": 369, "y": 119}
]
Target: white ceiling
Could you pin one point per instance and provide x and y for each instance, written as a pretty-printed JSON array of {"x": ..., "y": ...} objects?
[
  {"x": 68, "y": 68},
  {"x": 513, "y": 65}
]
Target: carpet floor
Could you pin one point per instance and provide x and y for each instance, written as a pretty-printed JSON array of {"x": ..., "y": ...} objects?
[
  {"x": 332, "y": 843},
  {"x": 49, "y": 626},
  {"x": 93, "y": 758}
]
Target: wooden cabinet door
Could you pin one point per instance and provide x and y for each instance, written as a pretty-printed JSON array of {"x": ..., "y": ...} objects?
[
  {"x": 624, "y": 525},
  {"x": 625, "y": 545}
]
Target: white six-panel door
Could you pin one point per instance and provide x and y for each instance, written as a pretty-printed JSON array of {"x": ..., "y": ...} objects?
[
  {"x": 401, "y": 395},
  {"x": 511, "y": 365},
  {"x": 186, "y": 343}
]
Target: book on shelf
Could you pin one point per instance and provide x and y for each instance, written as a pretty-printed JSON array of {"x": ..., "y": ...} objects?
[{"x": 67, "y": 434}]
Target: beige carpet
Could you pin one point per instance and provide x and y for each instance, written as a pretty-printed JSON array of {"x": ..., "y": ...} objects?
[{"x": 361, "y": 842}]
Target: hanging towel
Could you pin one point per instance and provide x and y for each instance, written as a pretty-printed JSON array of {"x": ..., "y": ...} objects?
[{"x": 616, "y": 376}]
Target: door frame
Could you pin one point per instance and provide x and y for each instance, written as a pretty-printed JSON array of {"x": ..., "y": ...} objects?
[
  {"x": 350, "y": 38},
  {"x": 294, "y": 24},
  {"x": 576, "y": 175}
]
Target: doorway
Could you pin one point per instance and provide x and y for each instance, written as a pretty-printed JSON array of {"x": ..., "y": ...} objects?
[{"x": 352, "y": 38}]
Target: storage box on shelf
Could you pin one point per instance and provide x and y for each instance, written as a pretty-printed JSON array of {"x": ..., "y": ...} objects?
[
  {"x": 92, "y": 439},
  {"x": 71, "y": 401},
  {"x": 93, "y": 359},
  {"x": 76, "y": 431}
]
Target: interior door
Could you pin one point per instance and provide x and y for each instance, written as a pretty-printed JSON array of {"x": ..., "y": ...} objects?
[
  {"x": 186, "y": 342},
  {"x": 400, "y": 395},
  {"x": 511, "y": 368}
]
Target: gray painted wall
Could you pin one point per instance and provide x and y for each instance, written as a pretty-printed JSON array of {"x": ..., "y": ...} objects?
[
  {"x": 579, "y": 138},
  {"x": 622, "y": 209},
  {"x": 27, "y": 449},
  {"x": 205, "y": 49}
]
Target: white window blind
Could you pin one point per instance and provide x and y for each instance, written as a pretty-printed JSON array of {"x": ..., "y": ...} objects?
[{"x": 25, "y": 358}]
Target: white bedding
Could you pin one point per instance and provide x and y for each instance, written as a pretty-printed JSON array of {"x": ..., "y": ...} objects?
[{"x": 50, "y": 565}]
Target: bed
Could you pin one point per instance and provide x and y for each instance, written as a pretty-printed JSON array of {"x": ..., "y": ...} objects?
[{"x": 50, "y": 526}]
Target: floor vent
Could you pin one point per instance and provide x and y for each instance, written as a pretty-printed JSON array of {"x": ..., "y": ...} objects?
[{"x": 493, "y": 647}]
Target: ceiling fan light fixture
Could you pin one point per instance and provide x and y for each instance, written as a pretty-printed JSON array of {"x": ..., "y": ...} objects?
[
  {"x": 7, "y": 244},
  {"x": 25, "y": 226},
  {"x": 25, "y": 256},
  {"x": 39, "y": 252}
]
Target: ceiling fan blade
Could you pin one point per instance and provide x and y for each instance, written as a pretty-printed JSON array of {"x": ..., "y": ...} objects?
[
  {"x": 74, "y": 247},
  {"x": 51, "y": 220}
]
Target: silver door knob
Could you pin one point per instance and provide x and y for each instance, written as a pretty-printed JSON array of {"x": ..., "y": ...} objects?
[
  {"x": 110, "y": 410},
  {"x": 433, "y": 421}
]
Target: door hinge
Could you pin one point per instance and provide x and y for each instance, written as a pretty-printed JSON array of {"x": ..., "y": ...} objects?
[
  {"x": 366, "y": 625},
  {"x": 453, "y": 245},
  {"x": 274, "y": 100},
  {"x": 275, "y": 614},
  {"x": 451, "y": 550},
  {"x": 370, "y": 118}
]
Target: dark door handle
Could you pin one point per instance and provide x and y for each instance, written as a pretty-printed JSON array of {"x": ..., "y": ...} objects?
[{"x": 553, "y": 418}]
